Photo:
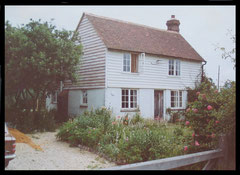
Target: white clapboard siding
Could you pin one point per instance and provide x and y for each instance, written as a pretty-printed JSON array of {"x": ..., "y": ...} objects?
[
  {"x": 154, "y": 75},
  {"x": 91, "y": 69}
]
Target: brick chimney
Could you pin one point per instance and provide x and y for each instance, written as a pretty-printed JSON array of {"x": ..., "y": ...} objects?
[{"x": 173, "y": 24}]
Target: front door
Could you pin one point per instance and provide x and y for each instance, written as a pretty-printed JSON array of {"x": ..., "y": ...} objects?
[{"x": 158, "y": 104}]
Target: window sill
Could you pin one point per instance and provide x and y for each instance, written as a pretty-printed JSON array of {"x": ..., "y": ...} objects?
[
  {"x": 83, "y": 105},
  {"x": 130, "y": 73},
  {"x": 174, "y": 76},
  {"x": 129, "y": 110},
  {"x": 177, "y": 109}
]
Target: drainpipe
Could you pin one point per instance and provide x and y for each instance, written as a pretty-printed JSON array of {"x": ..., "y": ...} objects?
[{"x": 205, "y": 62}]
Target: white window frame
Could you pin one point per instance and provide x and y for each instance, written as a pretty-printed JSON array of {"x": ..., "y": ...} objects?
[
  {"x": 129, "y": 99},
  {"x": 130, "y": 63},
  {"x": 176, "y": 67},
  {"x": 126, "y": 61},
  {"x": 84, "y": 96},
  {"x": 178, "y": 103}
]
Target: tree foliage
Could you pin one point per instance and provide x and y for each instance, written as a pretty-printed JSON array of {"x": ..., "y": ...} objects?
[
  {"x": 229, "y": 54},
  {"x": 37, "y": 58}
]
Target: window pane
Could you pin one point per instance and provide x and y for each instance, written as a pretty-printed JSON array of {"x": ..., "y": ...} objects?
[
  {"x": 171, "y": 67},
  {"x": 180, "y": 98},
  {"x": 177, "y": 67},
  {"x": 126, "y": 62}
]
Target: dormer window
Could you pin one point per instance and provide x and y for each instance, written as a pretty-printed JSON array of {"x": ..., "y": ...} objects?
[
  {"x": 130, "y": 62},
  {"x": 174, "y": 67}
]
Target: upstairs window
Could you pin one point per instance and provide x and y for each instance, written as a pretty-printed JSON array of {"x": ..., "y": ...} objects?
[
  {"x": 176, "y": 99},
  {"x": 171, "y": 67},
  {"x": 174, "y": 67},
  {"x": 130, "y": 62}
]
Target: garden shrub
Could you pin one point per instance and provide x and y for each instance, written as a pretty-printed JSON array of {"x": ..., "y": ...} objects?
[
  {"x": 210, "y": 114},
  {"x": 125, "y": 140},
  {"x": 28, "y": 121}
]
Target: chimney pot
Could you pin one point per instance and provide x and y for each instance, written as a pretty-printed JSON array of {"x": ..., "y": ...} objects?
[{"x": 173, "y": 24}]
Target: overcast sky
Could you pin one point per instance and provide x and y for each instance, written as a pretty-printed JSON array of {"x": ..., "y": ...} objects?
[{"x": 202, "y": 26}]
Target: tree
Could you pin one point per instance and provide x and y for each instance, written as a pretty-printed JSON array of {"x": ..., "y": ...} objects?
[
  {"x": 37, "y": 58},
  {"x": 229, "y": 54}
]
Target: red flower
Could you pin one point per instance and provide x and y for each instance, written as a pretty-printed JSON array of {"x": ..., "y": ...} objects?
[
  {"x": 195, "y": 110},
  {"x": 216, "y": 91},
  {"x": 185, "y": 148},
  {"x": 216, "y": 121},
  {"x": 198, "y": 93},
  {"x": 193, "y": 134},
  {"x": 187, "y": 123},
  {"x": 209, "y": 107},
  {"x": 213, "y": 135},
  {"x": 203, "y": 96},
  {"x": 196, "y": 143}
]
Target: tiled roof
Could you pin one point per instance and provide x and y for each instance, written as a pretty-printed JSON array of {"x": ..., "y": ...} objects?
[{"x": 128, "y": 36}]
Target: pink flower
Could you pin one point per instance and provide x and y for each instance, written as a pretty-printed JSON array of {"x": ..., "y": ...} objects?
[
  {"x": 213, "y": 135},
  {"x": 94, "y": 128},
  {"x": 216, "y": 121},
  {"x": 118, "y": 117},
  {"x": 198, "y": 93},
  {"x": 185, "y": 148},
  {"x": 209, "y": 107},
  {"x": 187, "y": 123},
  {"x": 216, "y": 91},
  {"x": 188, "y": 109},
  {"x": 113, "y": 123},
  {"x": 127, "y": 139},
  {"x": 196, "y": 143},
  {"x": 195, "y": 110},
  {"x": 193, "y": 134},
  {"x": 203, "y": 96}
]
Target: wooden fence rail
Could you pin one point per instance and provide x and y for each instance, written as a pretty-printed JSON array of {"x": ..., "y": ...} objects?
[{"x": 178, "y": 161}]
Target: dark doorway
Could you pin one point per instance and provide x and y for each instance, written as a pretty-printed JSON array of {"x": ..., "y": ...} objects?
[
  {"x": 62, "y": 106},
  {"x": 158, "y": 104}
]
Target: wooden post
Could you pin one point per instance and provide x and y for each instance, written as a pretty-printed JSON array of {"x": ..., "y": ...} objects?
[{"x": 222, "y": 162}]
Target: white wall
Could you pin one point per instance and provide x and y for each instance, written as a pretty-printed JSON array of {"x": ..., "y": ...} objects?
[
  {"x": 95, "y": 100},
  {"x": 154, "y": 76},
  {"x": 145, "y": 100}
]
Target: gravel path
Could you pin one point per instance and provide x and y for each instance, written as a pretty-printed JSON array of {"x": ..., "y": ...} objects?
[{"x": 56, "y": 156}]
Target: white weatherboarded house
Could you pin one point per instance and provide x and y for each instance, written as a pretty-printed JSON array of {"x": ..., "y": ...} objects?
[{"x": 132, "y": 68}]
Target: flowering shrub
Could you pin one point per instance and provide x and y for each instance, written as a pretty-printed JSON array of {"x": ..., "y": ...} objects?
[
  {"x": 210, "y": 113},
  {"x": 126, "y": 140}
]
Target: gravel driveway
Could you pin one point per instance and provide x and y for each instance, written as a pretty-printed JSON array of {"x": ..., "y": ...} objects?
[{"x": 56, "y": 155}]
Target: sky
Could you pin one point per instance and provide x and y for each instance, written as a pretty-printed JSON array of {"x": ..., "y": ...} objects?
[{"x": 204, "y": 27}]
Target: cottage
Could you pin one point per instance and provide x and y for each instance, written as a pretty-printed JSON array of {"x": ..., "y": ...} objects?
[{"x": 130, "y": 68}]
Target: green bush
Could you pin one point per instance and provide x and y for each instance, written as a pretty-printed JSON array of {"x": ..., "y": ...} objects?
[
  {"x": 210, "y": 113},
  {"x": 28, "y": 121},
  {"x": 126, "y": 140}
]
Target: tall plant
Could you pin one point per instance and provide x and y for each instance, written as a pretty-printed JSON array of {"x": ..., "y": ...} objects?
[{"x": 37, "y": 58}]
